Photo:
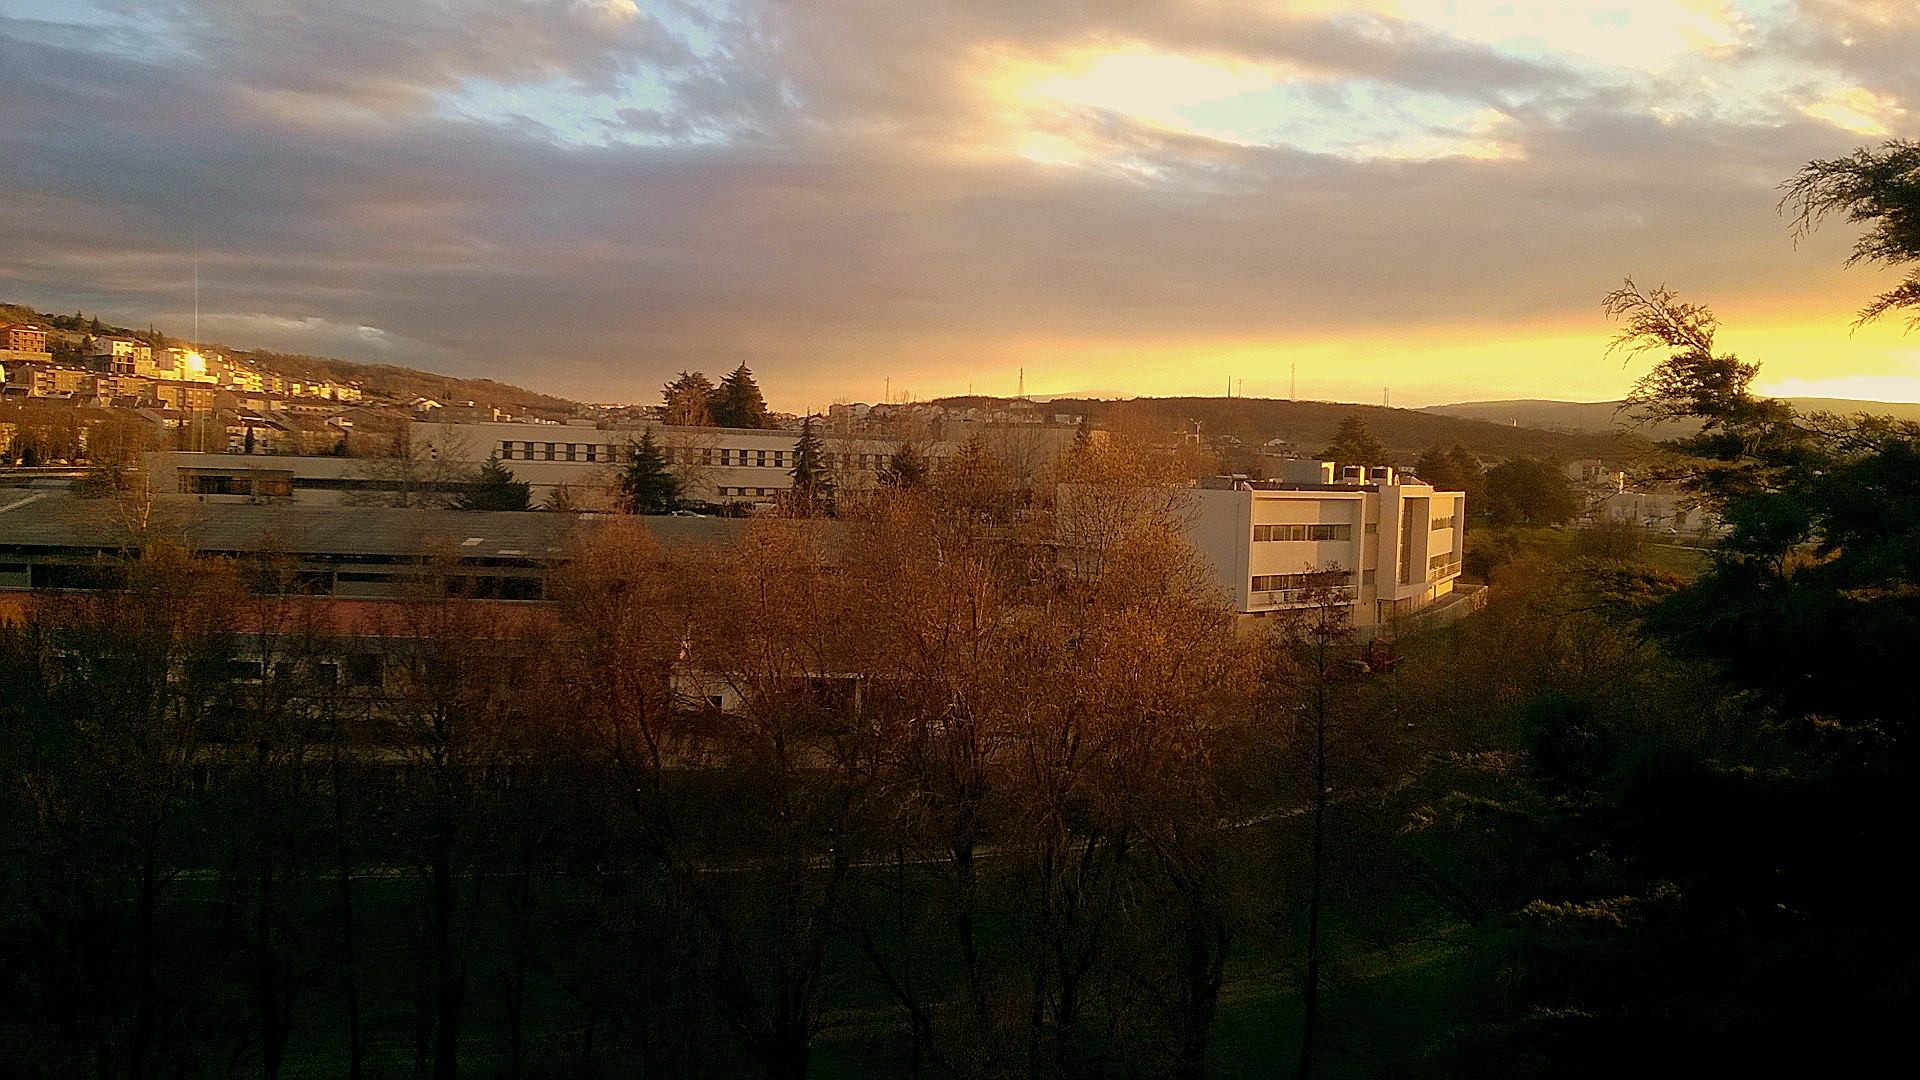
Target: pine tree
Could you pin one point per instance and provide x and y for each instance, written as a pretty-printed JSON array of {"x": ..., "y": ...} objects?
[
  {"x": 687, "y": 401},
  {"x": 1353, "y": 444},
  {"x": 811, "y": 492},
  {"x": 495, "y": 489},
  {"x": 906, "y": 470},
  {"x": 738, "y": 403},
  {"x": 649, "y": 486}
]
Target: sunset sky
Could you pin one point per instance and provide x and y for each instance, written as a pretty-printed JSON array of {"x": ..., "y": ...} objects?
[{"x": 584, "y": 196}]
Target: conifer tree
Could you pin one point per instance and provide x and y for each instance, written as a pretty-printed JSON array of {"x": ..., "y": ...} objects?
[
  {"x": 649, "y": 486},
  {"x": 687, "y": 401},
  {"x": 738, "y": 403},
  {"x": 1353, "y": 444},
  {"x": 811, "y": 492},
  {"x": 494, "y": 489},
  {"x": 906, "y": 470}
]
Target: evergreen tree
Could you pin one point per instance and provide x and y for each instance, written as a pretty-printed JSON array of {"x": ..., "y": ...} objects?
[
  {"x": 649, "y": 486},
  {"x": 687, "y": 401},
  {"x": 495, "y": 489},
  {"x": 906, "y": 470},
  {"x": 738, "y": 402},
  {"x": 811, "y": 492},
  {"x": 1530, "y": 491},
  {"x": 1353, "y": 444},
  {"x": 1453, "y": 470}
]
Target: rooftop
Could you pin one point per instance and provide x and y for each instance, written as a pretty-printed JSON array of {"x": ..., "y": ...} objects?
[{"x": 61, "y": 519}]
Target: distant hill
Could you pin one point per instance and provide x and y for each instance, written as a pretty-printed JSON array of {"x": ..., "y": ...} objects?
[
  {"x": 388, "y": 381},
  {"x": 1310, "y": 426},
  {"x": 1590, "y": 417}
]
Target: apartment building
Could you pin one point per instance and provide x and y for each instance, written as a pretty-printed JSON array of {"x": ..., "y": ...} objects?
[
  {"x": 23, "y": 341},
  {"x": 716, "y": 465},
  {"x": 48, "y": 380},
  {"x": 1385, "y": 544},
  {"x": 121, "y": 355}
]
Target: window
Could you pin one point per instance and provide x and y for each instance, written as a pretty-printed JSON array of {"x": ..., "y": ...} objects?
[
  {"x": 1265, "y": 533},
  {"x": 1319, "y": 579},
  {"x": 364, "y": 670},
  {"x": 1373, "y": 528}
]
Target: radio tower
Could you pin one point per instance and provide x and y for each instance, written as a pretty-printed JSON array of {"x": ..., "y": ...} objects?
[{"x": 1023, "y": 384}]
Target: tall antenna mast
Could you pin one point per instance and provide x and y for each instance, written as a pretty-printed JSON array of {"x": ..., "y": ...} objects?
[
  {"x": 1293, "y": 383},
  {"x": 1023, "y": 383},
  {"x": 1386, "y": 396}
]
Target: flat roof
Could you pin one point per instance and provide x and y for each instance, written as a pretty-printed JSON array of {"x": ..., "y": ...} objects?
[{"x": 64, "y": 520}]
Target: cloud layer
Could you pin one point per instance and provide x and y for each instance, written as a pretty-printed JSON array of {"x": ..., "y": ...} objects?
[{"x": 1152, "y": 196}]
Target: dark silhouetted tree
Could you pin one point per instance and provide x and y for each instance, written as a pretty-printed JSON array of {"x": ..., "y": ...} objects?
[
  {"x": 1530, "y": 491},
  {"x": 1877, "y": 187},
  {"x": 687, "y": 401},
  {"x": 494, "y": 489},
  {"x": 738, "y": 403},
  {"x": 1353, "y": 444},
  {"x": 811, "y": 492},
  {"x": 650, "y": 487},
  {"x": 906, "y": 470}
]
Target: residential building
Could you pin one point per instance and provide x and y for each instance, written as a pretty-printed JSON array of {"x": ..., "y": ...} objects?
[
  {"x": 1384, "y": 545},
  {"x": 48, "y": 380},
  {"x": 121, "y": 355},
  {"x": 23, "y": 341}
]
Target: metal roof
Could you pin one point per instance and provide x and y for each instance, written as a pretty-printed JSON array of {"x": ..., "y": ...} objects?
[{"x": 61, "y": 519}]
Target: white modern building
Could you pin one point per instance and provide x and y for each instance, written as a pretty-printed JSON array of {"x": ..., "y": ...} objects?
[
  {"x": 1388, "y": 545},
  {"x": 716, "y": 465}
]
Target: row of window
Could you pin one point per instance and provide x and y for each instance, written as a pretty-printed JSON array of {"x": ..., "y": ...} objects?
[
  {"x": 1318, "y": 579},
  {"x": 748, "y": 492},
  {"x": 679, "y": 455},
  {"x": 531, "y": 451},
  {"x": 1263, "y": 533}
]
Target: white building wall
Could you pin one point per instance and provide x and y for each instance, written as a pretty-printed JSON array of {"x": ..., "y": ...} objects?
[{"x": 1227, "y": 529}]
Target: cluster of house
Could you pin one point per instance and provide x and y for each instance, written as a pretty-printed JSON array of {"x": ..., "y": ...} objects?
[
  {"x": 117, "y": 368},
  {"x": 217, "y": 402}
]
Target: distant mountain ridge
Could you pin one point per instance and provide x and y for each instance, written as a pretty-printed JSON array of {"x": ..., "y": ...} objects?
[
  {"x": 1310, "y": 425},
  {"x": 1594, "y": 417}
]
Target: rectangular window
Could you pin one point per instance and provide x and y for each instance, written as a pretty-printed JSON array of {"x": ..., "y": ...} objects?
[
  {"x": 364, "y": 670},
  {"x": 1322, "y": 579}
]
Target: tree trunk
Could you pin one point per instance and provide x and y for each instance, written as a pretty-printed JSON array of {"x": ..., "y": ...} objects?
[
  {"x": 143, "y": 954},
  {"x": 449, "y": 985}
]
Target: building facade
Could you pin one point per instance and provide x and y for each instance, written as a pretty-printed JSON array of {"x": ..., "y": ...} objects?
[
  {"x": 1385, "y": 545},
  {"x": 715, "y": 465},
  {"x": 23, "y": 341}
]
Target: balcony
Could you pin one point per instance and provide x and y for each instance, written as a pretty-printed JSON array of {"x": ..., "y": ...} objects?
[
  {"x": 1337, "y": 594},
  {"x": 1446, "y": 569}
]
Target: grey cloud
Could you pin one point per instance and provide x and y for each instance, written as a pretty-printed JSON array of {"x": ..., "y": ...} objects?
[{"x": 790, "y": 206}]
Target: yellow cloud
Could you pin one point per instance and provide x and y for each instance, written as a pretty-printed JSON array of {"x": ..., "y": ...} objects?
[{"x": 1858, "y": 110}]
